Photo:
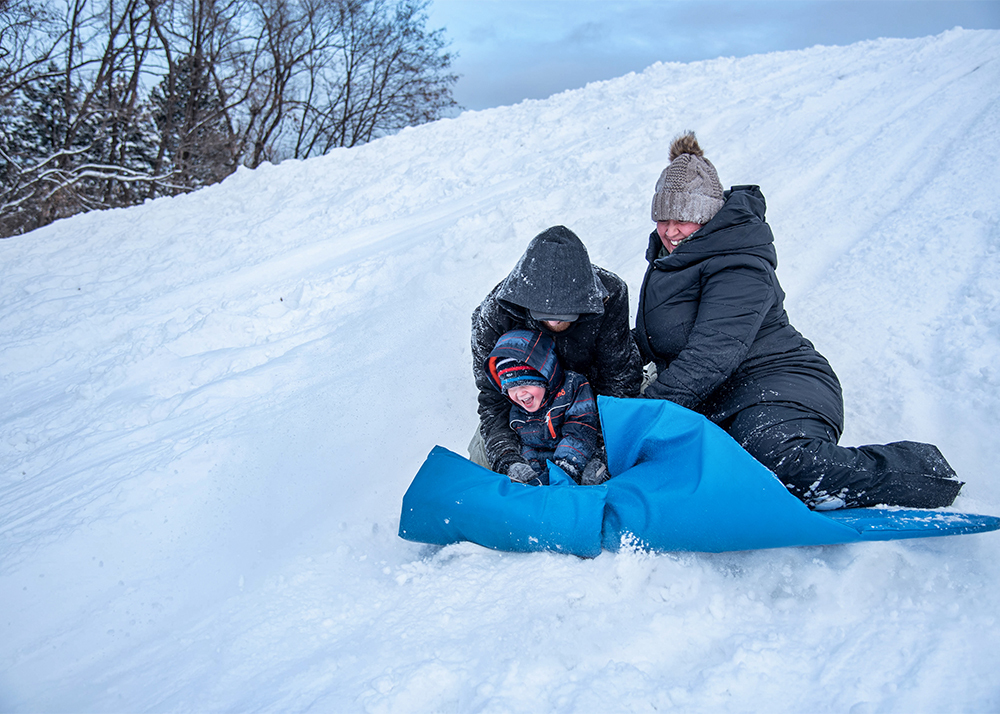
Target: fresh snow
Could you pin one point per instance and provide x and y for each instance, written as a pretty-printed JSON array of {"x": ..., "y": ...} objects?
[{"x": 213, "y": 404}]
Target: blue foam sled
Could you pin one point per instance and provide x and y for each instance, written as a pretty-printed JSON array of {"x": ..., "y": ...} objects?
[
  {"x": 680, "y": 484},
  {"x": 685, "y": 484}
]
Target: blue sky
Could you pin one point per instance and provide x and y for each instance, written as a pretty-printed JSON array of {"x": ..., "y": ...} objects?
[{"x": 510, "y": 50}]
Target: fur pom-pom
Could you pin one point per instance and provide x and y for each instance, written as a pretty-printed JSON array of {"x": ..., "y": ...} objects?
[{"x": 685, "y": 144}]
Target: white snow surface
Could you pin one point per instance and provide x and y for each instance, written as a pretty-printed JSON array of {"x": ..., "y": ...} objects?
[{"x": 213, "y": 404}]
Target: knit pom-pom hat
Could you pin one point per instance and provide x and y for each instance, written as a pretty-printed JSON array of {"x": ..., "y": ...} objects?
[
  {"x": 517, "y": 374},
  {"x": 688, "y": 190}
]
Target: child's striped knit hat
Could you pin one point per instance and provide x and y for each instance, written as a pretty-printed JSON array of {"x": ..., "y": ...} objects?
[{"x": 516, "y": 374}]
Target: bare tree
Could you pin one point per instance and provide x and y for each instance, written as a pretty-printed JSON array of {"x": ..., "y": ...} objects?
[
  {"x": 27, "y": 43},
  {"x": 290, "y": 36},
  {"x": 388, "y": 73},
  {"x": 341, "y": 73},
  {"x": 206, "y": 59}
]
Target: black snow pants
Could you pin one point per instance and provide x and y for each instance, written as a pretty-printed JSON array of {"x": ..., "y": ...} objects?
[{"x": 801, "y": 449}]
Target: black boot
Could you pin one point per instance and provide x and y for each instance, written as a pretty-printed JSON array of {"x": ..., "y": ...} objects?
[{"x": 907, "y": 473}]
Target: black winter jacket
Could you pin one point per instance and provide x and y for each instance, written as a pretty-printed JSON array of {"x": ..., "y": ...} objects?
[
  {"x": 598, "y": 345},
  {"x": 711, "y": 315}
]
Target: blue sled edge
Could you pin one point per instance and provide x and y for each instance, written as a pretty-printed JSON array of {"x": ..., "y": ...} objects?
[{"x": 897, "y": 523}]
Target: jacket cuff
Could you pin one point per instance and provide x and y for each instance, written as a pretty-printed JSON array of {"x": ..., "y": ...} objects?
[{"x": 504, "y": 462}]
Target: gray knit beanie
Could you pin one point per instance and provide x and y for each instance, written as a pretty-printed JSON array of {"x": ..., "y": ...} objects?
[{"x": 688, "y": 189}]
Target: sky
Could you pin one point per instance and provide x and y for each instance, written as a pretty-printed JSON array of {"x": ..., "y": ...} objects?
[{"x": 511, "y": 50}]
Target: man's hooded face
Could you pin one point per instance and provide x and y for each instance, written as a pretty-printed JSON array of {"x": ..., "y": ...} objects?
[{"x": 557, "y": 325}]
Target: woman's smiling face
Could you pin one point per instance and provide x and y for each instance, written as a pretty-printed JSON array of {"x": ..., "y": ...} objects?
[{"x": 673, "y": 232}]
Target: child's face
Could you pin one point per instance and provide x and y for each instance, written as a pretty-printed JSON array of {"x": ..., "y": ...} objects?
[{"x": 527, "y": 396}]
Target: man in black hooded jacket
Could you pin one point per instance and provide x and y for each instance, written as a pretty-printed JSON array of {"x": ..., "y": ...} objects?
[{"x": 555, "y": 289}]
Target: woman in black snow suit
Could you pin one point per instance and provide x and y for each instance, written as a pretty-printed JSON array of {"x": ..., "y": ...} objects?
[{"x": 711, "y": 317}]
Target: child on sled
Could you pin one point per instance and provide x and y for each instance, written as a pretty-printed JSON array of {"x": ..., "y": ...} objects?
[{"x": 553, "y": 414}]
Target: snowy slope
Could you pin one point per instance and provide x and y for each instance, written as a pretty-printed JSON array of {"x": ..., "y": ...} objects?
[{"x": 214, "y": 403}]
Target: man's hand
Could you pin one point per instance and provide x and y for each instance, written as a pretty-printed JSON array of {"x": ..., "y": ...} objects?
[{"x": 521, "y": 472}]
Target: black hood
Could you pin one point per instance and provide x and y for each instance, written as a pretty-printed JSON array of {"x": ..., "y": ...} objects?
[
  {"x": 555, "y": 276},
  {"x": 738, "y": 227}
]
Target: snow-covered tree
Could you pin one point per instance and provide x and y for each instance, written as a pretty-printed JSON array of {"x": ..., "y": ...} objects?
[{"x": 109, "y": 102}]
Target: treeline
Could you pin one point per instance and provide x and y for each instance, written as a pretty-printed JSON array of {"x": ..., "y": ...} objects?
[{"x": 107, "y": 103}]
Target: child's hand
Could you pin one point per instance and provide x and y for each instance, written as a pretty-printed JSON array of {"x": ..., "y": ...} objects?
[
  {"x": 570, "y": 468},
  {"x": 521, "y": 472},
  {"x": 594, "y": 473}
]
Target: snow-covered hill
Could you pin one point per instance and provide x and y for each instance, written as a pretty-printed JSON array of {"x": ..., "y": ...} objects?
[{"x": 212, "y": 405}]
